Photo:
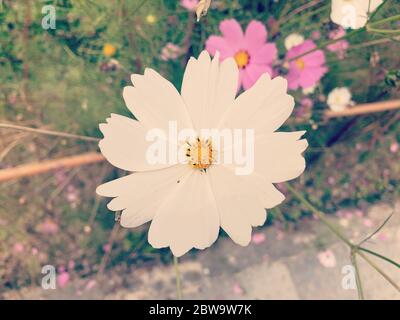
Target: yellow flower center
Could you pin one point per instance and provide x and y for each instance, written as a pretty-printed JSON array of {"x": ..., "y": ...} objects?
[
  {"x": 109, "y": 50},
  {"x": 151, "y": 19},
  {"x": 242, "y": 58},
  {"x": 200, "y": 154},
  {"x": 300, "y": 64}
]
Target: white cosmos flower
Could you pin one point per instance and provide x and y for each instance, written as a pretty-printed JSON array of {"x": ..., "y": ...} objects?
[
  {"x": 353, "y": 13},
  {"x": 339, "y": 99},
  {"x": 293, "y": 40},
  {"x": 187, "y": 204}
]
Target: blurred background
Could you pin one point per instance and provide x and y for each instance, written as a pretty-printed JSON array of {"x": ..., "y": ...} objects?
[{"x": 69, "y": 79}]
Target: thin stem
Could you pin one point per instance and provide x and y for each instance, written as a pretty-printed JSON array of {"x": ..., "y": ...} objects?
[
  {"x": 377, "y": 230},
  {"x": 335, "y": 229},
  {"x": 382, "y": 21},
  {"x": 377, "y": 10},
  {"x": 352, "y": 33},
  {"x": 48, "y": 132},
  {"x": 327, "y": 43},
  {"x": 178, "y": 278},
  {"x": 299, "y": 10},
  {"x": 354, "y": 248},
  {"x": 379, "y": 270},
  {"x": 358, "y": 277},
  {"x": 383, "y": 31},
  {"x": 380, "y": 256}
]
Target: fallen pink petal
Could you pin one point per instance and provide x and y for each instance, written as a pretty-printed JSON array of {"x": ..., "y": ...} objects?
[
  {"x": 258, "y": 238},
  {"x": 327, "y": 259}
]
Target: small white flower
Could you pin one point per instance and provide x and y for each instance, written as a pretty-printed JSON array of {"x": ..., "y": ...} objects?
[
  {"x": 353, "y": 13},
  {"x": 339, "y": 99},
  {"x": 309, "y": 90},
  {"x": 293, "y": 40},
  {"x": 185, "y": 203}
]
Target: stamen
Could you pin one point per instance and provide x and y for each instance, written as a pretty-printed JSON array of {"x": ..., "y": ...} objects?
[
  {"x": 242, "y": 58},
  {"x": 200, "y": 155}
]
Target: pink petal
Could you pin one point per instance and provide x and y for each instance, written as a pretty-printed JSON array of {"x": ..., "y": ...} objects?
[
  {"x": 394, "y": 147},
  {"x": 255, "y": 35},
  {"x": 19, "y": 247},
  {"x": 253, "y": 72},
  {"x": 368, "y": 223},
  {"x": 232, "y": 32},
  {"x": 293, "y": 78},
  {"x": 216, "y": 43},
  {"x": 190, "y": 5},
  {"x": 383, "y": 236},
  {"x": 265, "y": 55},
  {"x": 237, "y": 289},
  {"x": 300, "y": 49},
  {"x": 313, "y": 59},
  {"x": 310, "y": 76},
  {"x": 245, "y": 79},
  {"x": 91, "y": 284},
  {"x": 63, "y": 279},
  {"x": 327, "y": 259},
  {"x": 258, "y": 238}
]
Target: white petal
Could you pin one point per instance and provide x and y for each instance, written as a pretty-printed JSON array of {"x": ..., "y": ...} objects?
[
  {"x": 239, "y": 207},
  {"x": 154, "y": 101},
  {"x": 124, "y": 144},
  {"x": 139, "y": 194},
  {"x": 278, "y": 156},
  {"x": 187, "y": 218},
  {"x": 267, "y": 193},
  {"x": 264, "y": 107},
  {"x": 352, "y": 13},
  {"x": 209, "y": 88}
]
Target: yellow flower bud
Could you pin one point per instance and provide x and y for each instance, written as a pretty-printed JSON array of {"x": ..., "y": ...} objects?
[
  {"x": 151, "y": 19},
  {"x": 109, "y": 50}
]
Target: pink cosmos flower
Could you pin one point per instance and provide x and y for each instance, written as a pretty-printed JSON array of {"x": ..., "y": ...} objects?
[
  {"x": 340, "y": 46},
  {"x": 251, "y": 51},
  {"x": 307, "y": 70},
  {"x": 190, "y": 5}
]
